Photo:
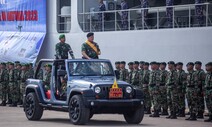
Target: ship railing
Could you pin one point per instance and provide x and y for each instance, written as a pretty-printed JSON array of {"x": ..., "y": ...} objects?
[{"x": 184, "y": 16}]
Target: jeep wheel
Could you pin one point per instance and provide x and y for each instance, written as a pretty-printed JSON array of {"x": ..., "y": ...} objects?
[
  {"x": 134, "y": 117},
  {"x": 33, "y": 110},
  {"x": 78, "y": 113}
]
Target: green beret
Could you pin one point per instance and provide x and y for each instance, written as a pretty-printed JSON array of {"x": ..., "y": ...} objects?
[
  {"x": 179, "y": 63},
  {"x": 48, "y": 65},
  {"x": 190, "y": 63},
  {"x": 3, "y": 63},
  {"x": 16, "y": 62},
  {"x": 152, "y": 63},
  {"x": 209, "y": 64},
  {"x": 11, "y": 63},
  {"x": 61, "y": 36},
  {"x": 123, "y": 62},
  {"x": 146, "y": 63},
  {"x": 130, "y": 63},
  {"x": 198, "y": 62},
  {"x": 90, "y": 34},
  {"x": 171, "y": 62},
  {"x": 117, "y": 62},
  {"x": 136, "y": 62},
  {"x": 163, "y": 63},
  {"x": 141, "y": 62}
]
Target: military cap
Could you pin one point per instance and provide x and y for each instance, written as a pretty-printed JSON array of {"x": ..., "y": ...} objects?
[
  {"x": 190, "y": 63},
  {"x": 136, "y": 62},
  {"x": 163, "y": 63},
  {"x": 61, "y": 36},
  {"x": 117, "y": 62},
  {"x": 23, "y": 64},
  {"x": 179, "y": 63},
  {"x": 141, "y": 62},
  {"x": 146, "y": 63},
  {"x": 90, "y": 34},
  {"x": 198, "y": 62},
  {"x": 17, "y": 62},
  {"x": 130, "y": 63},
  {"x": 171, "y": 62},
  {"x": 153, "y": 63},
  {"x": 3, "y": 63},
  {"x": 209, "y": 64},
  {"x": 122, "y": 62},
  {"x": 48, "y": 65},
  {"x": 158, "y": 63}
]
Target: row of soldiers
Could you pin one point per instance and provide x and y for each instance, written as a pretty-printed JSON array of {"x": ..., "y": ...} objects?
[
  {"x": 13, "y": 78},
  {"x": 168, "y": 89}
]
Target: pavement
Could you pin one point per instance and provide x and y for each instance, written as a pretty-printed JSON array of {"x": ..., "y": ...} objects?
[{"x": 15, "y": 117}]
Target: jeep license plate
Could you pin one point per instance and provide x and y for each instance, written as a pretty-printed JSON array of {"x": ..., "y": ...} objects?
[{"x": 115, "y": 93}]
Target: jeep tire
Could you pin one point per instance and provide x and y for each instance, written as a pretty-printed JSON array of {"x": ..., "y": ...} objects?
[
  {"x": 33, "y": 110},
  {"x": 135, "y": 116},
  {"x": 78, "y": 113}
]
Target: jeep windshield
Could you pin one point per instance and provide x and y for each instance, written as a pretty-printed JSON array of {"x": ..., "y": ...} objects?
[{"x": 90, "y": 68}]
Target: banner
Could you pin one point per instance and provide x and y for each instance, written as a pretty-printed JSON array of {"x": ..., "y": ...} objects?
[{"x": 22, "y": 29}]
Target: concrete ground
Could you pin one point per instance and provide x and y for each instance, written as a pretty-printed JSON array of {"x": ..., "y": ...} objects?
[{"x": 15, "y": 117}]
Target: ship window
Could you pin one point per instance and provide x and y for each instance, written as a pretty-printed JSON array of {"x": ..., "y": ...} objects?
[{"x": 63, "y": 16}]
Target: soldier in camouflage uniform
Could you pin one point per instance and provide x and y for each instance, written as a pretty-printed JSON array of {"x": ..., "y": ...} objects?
[
  {"x": 191, "y": 91},
  {"x": 163, "y": 89},
  {"x": 124, "y": 74},
  {"x": 144, "y": 80},
  {"x": 181, "y": 86},
  {"x": 135, "y": 76},
  {"x": 169, "y": 12},
  {"x": 25, "y": 74},
  {"x": 90, "y": 49},
  {"x": 3, "y": 83},
  {"x": 31, "y": 70},
  {"x": 40, "y": 74},
  {"x": 154, "y": 84},
  {"x": 172, "y": 93},
  {"x": 201, "y": 80},
  {"x": 62, "y": 49},
  {"x": 130, "y": 66},
  {"x": 199, "y": 12},
  {"x": 208, "y": 90},
  {"x": 18, "y": 71},
  {"x": 141, "y": 72},
  {"x": 47, "y": 77},
  {"x": 124, "y": 15},
  {"x": 117, "y": 71},
  {"x": 13, "y": 86}
]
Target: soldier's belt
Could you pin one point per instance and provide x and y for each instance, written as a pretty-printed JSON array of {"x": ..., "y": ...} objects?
[
  {"x": 208, "y": 88},
  {"x": 152, "y": 85}
]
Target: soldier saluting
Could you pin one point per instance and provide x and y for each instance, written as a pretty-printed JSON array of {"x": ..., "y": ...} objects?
[{"x": 62, "y": 49}]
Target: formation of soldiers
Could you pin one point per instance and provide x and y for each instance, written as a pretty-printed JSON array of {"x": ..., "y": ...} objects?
[
  {"x": 165, "y": 90},
  {"x": 13, "y": 78}
]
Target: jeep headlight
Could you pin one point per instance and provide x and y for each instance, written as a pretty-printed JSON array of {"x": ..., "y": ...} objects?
[
  {"x": 128, "y": 89},
  {"x": 97, "y": 89}
]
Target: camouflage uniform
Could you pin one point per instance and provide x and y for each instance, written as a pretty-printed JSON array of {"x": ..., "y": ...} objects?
[
  {"x": 169, "y": 12},
  {"x": 172, "y": 93},
  {"x": 62, "y": 50},
  {"x": 124, "y": 75},
  {"x": 199, "y": 12},
  {"x": 208, "y": 94},
  {"x": 23, "y": 76},
  {"x": 3, "y": 86},
  {"x": 191, "y": 93},
  {"x": 89, "y": 51},
  {"x": 47, "y": 80},
  {"x": 145, "y": 81},
  {"x": 124, "y": 15},
  {"x": 130, "y": 77},
  {"x": 163, "y": 89},
  {"x": 13, "y": 87},
  {"x": 181, "y": 86},
  {"x": 201, "y": 80},
  {"x": 154, "y": 82},
  {"x": 135, "y": 79},
  {"x": 18, "y": 72},
  {"x": 40, "y": 74},
  {"x": 101, "y": 15}
]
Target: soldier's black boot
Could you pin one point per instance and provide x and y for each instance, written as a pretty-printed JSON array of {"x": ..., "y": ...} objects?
[
  {"x": 9, "y": 101},
  {"x": 168, "y": 117},
  {"x": 200, "y": 115},
  {"x": 155, "y": 114},
  {"x": 148, "y": 111},
  {"x": 13, "y": 105},
  {"x": 165, "y": 112},
  {"x": 182, "y": 113},
  {"x": 193, "y": 117},
  {"x": 174, "y": 116},
  {"x": 3, "y": 103},
  {"x": 209, "y": 119},
  {"x": 188, "y": 117}
]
